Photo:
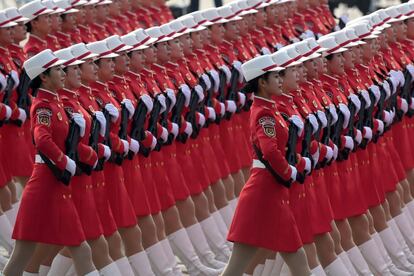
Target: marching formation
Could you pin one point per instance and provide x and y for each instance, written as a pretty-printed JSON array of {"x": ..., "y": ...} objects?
[{"x": 137, "y": 138}]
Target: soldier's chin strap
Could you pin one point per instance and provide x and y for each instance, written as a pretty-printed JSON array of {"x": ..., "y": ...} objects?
[{"x": 279, "y": 179}]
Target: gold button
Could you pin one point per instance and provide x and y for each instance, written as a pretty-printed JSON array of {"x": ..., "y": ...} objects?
[{"x": 64, "y": 196}]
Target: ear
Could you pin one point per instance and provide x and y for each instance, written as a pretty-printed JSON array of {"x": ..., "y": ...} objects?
[{"x": 43, "y": 77}]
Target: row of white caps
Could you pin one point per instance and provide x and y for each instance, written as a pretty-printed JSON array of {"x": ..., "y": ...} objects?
[{"x": 356, "y": 31}]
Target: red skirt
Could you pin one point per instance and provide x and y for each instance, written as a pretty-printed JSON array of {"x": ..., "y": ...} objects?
[
  {"x": 368, "y": 168},
  {"x": 207, "y": 153},
  {"x": 218, "y": 150},
  {"x": 186, "y": 163},
  {"x": 387, "y": 176},
  {"x": 402, "y": 144},
  {"x": 175, "y": 173},
  {"x": 231, "y": 150},
  {"x": 161, "y": 180},
  {"x": 199, "y": 164},
  {"x": 134, "y": 184},
  {"x": 121, "y": 206},
  {"x": 396, "y": 158},
  {"x": 47, "y": 213},
  {"x": 15, "y": 144},
  {"x": 147, "y": 175},
  {"x": 241, "y": 142},
  {"x": 263, "y": 217},
  {"x": 102, "y": 204},
  {"x": 301, "y": 207},
  {"x": 83, "y": 197},
  {"x": 321, "y": 211},
  {"x": 5, "y": 176}
]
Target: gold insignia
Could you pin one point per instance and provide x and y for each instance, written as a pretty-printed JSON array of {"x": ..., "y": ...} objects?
[
  {"x": 268, "y": 125},
  {"x": 325, "y": 101},
  {"x": 315, "y": 104},
  {"x": 91, "y": 108},
  {"x": 339, "y": 98},
  {"x": 59, "y": 116},
  {"x": 43, "y": 116}
]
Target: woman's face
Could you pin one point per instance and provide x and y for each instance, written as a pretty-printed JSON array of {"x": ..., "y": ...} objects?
[
  {"x": 69, "y": 22},
  {"x": 55, "y": 79},
  {"x": 55, "y": 22},
  {"x": 163, "y": 52},
  {"x": 176, "y": 49},
  {"x": 73, "y": 77},
  {"x": 150, "y": 54},
  {"x": 261, "y": 18},
  {"x": 400, "y": 30},
  {"x": 121, "y": 63},
  {"x": 301, "y": 72},
  {"x": 19, "y": 32},
  {"x": 231, "y": 30},
  {"x": 366, "y": 50},
  {"x": 6, "y": 36},
  {"x": 217, "y": 33},
  {"x": 101, "y": 12},
  {"x": 410, "y": 28},
  {"x": 273, "y": 85},
  {"x": 80, "y": 15},
  {"x": 137, "y": 60},
  {"x": 311, "y": 69},
  {"x": 89, "y": 71},
  {"x": 270, "y": 14},
  {"x": 197, "y": 41},
  {"x": 90, "y": 13},
  {"x": 348, "y": 59},
  {"x": 42, "y": 24},
  {"x": 336, "y": 64},
  {"x": 290, "y": 79},
  {"x": 186, "y": 44},
  {"x": 106, "y": 69},
  {"x": 242, "y": 26}
]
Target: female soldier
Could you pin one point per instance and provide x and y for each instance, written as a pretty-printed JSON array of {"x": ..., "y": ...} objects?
[
  {"x": 254, "y": 225},
  {"x": 46, "y": 200}
]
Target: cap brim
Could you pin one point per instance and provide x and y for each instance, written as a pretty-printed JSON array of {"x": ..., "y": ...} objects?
[
  {"x": 176, "y": 35},
  {"x": 235, "y": 18},
  {"x": 110, "y": 55},
  {"x": 352, "y": 44},
  {"x": 125, "y": 48},
  {"x": 277, "y": 69},
  {"x": 76, "y": 62},
  {"x": 321, "y": 50},
  {"x": 371, "y": 36},
  {"x": 92, "y": 2},
  {"x": 312, "y": 56},
  {"x": 150, "y": 41},
  {"x": 165, "y": 39},
  {"x": 70, "y": 11},
  {"x": 140, "y": 47},
  {"x": 57, "y": 63},
  {"x": 9, "y": 24},
  {"x": 80, "y": 3},
  {"x": 293, "y": 64},
  {"x": 22, "y": 19},
  {"x": 221, "y": 21},
  {"x": 58, "y": 10},
  {"x": 207, "y": 23},
  {"x": 250, "y": 11},
  {"x": 106, "y": 2},
  {"x": 91, "y": 55},
  {"x": 46, "y": 11},
  {"x": 340, "y": 50}
]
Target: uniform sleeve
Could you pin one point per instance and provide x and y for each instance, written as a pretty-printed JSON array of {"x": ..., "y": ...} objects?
[
  {"x": 42, "y": 135},
  {"x": 267, "y": 140},
  {"x": 86, "y": 154}
]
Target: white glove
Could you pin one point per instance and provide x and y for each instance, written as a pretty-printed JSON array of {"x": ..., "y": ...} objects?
[
  {"x": 164, "y": 135},
  {"x": 8, "y": 111},
  {"x": 355, "y": 100},
  {"x": 315, "y": 157},
  {"x": 380, "y": 126},
  {"x": 314, "y": 122},
  {"x": 231, "y": 106},
  {"x": 200, "y": 93},
  {"x": 242, "y": 98},
  {"x": 308, "y": 165},
  {"x": 134, "y": 146},
  {"x": 278, "y": 46},
  {"x": 401, "y": 78},
  {"x": 334, "y": 115},
  {"x": 113, "y": 112},
  {"x": 147, "y": 100},
  {"x": 126, "y": 146},
  {"x": 174, "y": 129},
  {"x": 293, "y": 173},
  {"x": 202, "y": 120},
  {"x": 412, "y": 103},
  {"x": 187, "y": 93},
  {"x": 410, "y": 69},
  {"x": 222, "y": 109},
  {"x": 188, "y": 128},
  {"x": 329, "y": 153},
  {"x": 22, "y": 115},
  {"x": 367, "y": 99},
  {"x": 237, "y": 65},
  {"x": 153, "y": 143},
  {"x": 392, "y": 113},
  {"x": 107, "y": 152},
  {"x": 368, "y": 133},
  {"x": 265, "y": 51},
  {"x": 211, "y": 113},
  {"x": 404, "y": 105},
  {"x": 161, "y": 99},
  {"x": 216, "y": 78},
  {"x": 395, "y": 82},
  {"x": 80, "y": 121},
  {"x": 15, "y": 76},
  {"x": 387, "y": 118},
  {"x": 377, "y": 93},
  {"x": 349, "y": 142},
  {"x": 347, "y": 114},
  {"x": 129, "y": 106},
  {"x": 387, "y": 89},
  {"x": 335, "y": 152},
  {"x": 322, "y": 118},
  {"x": 358, "y": 136},
  {"x": 226, "y": 71},
  {"x": 295, "y": 40},
  {"x": 102, "y": 122},
  {"x": 206, "y": 81},
  {"x": 171, "y": 95},
  {"x": 298, "y": 123},
  {"x": 3, "y": 82},
  {"x": 70, "y": 166}
]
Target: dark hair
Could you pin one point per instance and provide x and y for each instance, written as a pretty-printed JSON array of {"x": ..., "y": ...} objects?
[
  {"x": 28, "y": 27},
  {"x": 63, "y": 16},
  {"x": 36, "y": 82},
  {"x": 329, "y": 57},
  {"x": 253, "y": 85}
]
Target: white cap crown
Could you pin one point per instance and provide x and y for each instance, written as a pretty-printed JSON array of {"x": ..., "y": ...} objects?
[
  {"x": 33, "y": 9},
  {"x": 67, "y": 55},
  {"x": 101, "y": 49},
  {"x": 40, "y": 62},
  {"x": 258, "y": 66},
  {"x": 80, "y": 51}
]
